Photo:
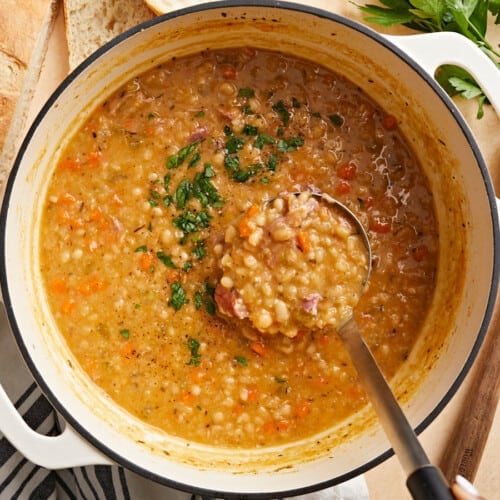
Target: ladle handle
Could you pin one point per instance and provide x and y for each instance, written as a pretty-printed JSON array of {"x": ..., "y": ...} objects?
[{"x": 424, "y": 480}]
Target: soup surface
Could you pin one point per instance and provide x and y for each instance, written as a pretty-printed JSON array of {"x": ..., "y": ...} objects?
[{"x": 134, "y": 227}]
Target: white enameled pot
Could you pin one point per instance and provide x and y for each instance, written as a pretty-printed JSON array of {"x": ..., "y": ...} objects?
[{"x": 397, "y": 73}]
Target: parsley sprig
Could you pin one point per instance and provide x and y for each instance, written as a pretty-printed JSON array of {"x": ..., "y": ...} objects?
[{"x": 467, "y": 17}]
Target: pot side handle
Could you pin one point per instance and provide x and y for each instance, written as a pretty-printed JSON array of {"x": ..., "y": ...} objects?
[
  {"x": 67, "y": 449},
  {"x": 432, "y": 50}
]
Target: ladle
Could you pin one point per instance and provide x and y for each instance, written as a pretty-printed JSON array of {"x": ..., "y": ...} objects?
[{"x": 424, "y": 480}]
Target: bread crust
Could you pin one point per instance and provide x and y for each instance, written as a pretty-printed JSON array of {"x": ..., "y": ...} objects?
[
  {"x": 20, "y": 26},
  {"x": 89, "y": 25}
]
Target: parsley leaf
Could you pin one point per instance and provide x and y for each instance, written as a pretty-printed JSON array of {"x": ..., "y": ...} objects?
[
  {"x": 467, "y": 17},
  {"x": 178, "y": 296},
  {"x": 194, "y": 348}
]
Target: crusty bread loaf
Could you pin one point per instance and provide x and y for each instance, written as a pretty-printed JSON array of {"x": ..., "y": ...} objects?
[
  {"x": 164, "y": 6},
  {"x": 90, "y": 24},
  {"x": 24, "y": 33}
]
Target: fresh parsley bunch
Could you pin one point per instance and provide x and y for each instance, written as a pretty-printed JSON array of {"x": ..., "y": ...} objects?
[{"x": 467, "y": 17}]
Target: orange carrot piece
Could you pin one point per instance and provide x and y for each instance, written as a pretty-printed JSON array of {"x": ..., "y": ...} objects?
[
  {"x": 302, "y": 409},
  {"x": 258, "y": 347},
  {"x": 94, "y": 159},
  {"x": 127, "y": 350},
  {"x": 283, "y": 424},
  {"x": 252, "y": 394},
  {"x": 66, "y": 199},
  {"x": 146, "y": 261},
  {"x": 269, "y": 428},
  {"x": 68, "y": 306},
  {"x": 244, "y": 225},
  {"x": 58, "y": 285},
  {"x": 303, "y": 241},
  {"x": 188, "y": 398},
  {"x": 380, "y": 225},
  {"x": 342, "y": 187},
  {"x": 71, "y": 164}
]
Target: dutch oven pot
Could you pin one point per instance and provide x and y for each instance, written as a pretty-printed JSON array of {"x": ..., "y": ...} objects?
[{"x": 100, "y": 432}]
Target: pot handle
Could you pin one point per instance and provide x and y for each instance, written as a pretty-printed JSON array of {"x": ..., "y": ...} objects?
[
  {"x": 435, "y": 49},
  {"x": 67, "y": 449}
]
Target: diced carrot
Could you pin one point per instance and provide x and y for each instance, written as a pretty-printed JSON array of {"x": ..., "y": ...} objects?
[
  {"x": 347, "y": 171},
  {"x": 320, "y": 381},
  {"x": 324, "y": 339},
  {"x": 420, "y": 253},
  {"x": 282, "y": 424},
  {"x": 172, "y": 276},
  {"x": 300, "y": 335},
  {"x": 146, "y": 260},
  {"x": 238, "y": 409},
  {"x": 269, "y": 428},
  {"x": 380, "y": 224},
  {"x": 58, "y": 285},
  {"x": 188, "y": 398},
  {"x": 228, "y": 72},
  {"x": 342, "y": 187},
  {"x": 302, "y": 409},
  {"x": 244, "y": 228},
  {"x": 258, "y": 347},
  {"x": 90, "y": 286},
  {"x": 95, "y": 214},
  {"x": 68, "y": 306},
  {"x": 252, "y": 394},
  {"x": 389, "y": 122},
  {"x": 66, "y": 199},
  {"x": 71, "y": 164},
  {"x": 244, "y": 225},
  {"x": 303, "y": 241},
  {"x": 127, "y": 350},
  {"x": 94, "y": 159}
]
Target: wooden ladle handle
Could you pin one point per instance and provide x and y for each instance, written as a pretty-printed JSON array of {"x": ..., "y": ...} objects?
[{"x": 468, "y": 438}]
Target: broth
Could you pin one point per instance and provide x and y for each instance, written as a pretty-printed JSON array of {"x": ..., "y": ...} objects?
[{"x": 134, "y": 223}]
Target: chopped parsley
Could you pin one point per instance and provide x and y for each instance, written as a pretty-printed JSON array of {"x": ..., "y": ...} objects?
[
  {"x": 142, "y": 248},
  {"x": 290, "y": 144},
  {"x": 125, "y": 333},
  {"x": 262, "y": 140},
  {"x": 194, "y": 348},
  {"x": 191, "y": 222},
  {"x": 241, "y": 360},
  {"x": 336, "y": 119},
  {"x": 166, "y": 259},
  {"x": 178, "y": 296},
  {"x": 175, "y": 161},
  {"x": 283, "y": 113},
  {"x": 199, "y": 250},
  {"x": 246, "y": 92}
]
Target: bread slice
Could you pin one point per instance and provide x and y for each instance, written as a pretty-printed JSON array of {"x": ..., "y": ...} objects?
[
  {"x": 92, "y": 23},
  {"x": 25, "y": 29},
  {"x": 164, "y": 6}
]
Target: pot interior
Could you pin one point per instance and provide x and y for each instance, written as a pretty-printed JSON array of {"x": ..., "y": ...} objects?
[{"x": 463, "y": 203}]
